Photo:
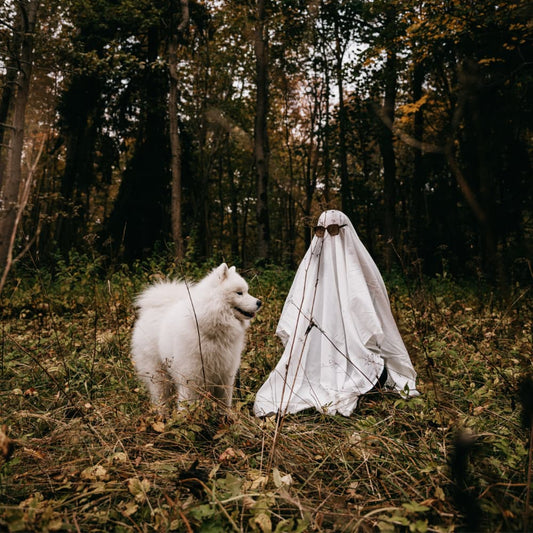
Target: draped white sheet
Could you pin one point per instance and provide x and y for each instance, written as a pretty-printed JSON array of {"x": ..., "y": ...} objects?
[{"x": 338, "y": 331}]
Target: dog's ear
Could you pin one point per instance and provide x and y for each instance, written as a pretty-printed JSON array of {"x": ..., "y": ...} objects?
[
  {"x": 222, "y": 271},
  {"x": 232, "y": 270}
]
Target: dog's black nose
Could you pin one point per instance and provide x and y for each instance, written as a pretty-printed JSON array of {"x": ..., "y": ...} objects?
[{"x": 258, "y": 303}]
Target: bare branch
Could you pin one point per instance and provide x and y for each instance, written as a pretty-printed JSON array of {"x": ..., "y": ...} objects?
[
  {"x": 468, "y": 193},
  {"x": 185, "y": 17},
  {"x": 405, "y": 137},
  {"x": 23, "y": 201},
  {"x": 8, "y": 26},
  {"x": 447, "y": 151}
]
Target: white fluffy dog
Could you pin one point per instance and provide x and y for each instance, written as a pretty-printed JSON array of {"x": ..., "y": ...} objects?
[{"x": 188, "y": 338}]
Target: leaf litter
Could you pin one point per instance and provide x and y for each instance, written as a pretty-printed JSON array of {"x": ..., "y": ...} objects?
[{"x": 81, "y": 449}]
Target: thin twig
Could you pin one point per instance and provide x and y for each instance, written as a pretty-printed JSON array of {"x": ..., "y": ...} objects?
[
  {"x": 429, "y": 360},
  {"x": 529, "y": 477},
  {"x": 211, "y": 493},
  {"x": 280, "y": 419},
  {"x": 197, "y": 331},
  {"x": 23, "y": 200}
]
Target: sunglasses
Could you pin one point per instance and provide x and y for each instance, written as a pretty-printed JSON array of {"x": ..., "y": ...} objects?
[{"x": 332, "y": 229}]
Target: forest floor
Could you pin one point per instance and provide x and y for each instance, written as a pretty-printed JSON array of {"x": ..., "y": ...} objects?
[{"x": 81, "y": 449}]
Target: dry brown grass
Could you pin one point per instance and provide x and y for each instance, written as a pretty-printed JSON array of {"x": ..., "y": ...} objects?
[{"x": 84, "y": 451}]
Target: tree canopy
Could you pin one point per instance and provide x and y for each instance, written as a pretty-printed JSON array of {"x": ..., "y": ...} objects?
[{"x": 412, "y": 117}]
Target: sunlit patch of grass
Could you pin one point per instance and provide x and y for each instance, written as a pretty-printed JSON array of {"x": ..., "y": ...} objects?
[{"x": 91, "y": 455}]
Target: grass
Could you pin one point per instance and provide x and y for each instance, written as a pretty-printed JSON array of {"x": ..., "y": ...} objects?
[{"x": 87, "y": 453}]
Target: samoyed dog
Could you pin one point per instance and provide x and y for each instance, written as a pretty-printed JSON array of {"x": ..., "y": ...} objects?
[{"x": 188, "y": 338}]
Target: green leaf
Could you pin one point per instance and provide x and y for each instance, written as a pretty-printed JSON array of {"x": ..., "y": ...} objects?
[
  {"x": 399, "y": 520},
  {"x": 420, "y": 526},
  {"x": 415, "y": 507},
  {"x": 201, "y": 512}
]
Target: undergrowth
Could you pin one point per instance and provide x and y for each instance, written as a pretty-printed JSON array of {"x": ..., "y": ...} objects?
[{"x": 81, "y": 449}]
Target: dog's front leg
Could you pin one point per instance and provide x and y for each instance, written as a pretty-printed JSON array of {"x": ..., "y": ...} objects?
[
  {"x": 224, "y": 392},
  {"x": 159, "y": 385},
  {"x": 187, "y": 391}
]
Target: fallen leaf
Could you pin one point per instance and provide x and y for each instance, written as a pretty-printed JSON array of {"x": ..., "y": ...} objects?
[
  {"x": 262, "y": 522},
  {"x": 280, "y": 480},
  {"x": 34, "y": 453},
  {"x": 256, "y": 480},
  {"x": 248, "y": 502},
  {"x": 138, "y": 488},
  {"x": 95, "y": 473},
  {"x": 231, "y": 454},
  {"x": 158, "y": 427},
  {"x": 55, "y": 525},
  {"x": 6, "y": 444},
  {"x": 129, "y": 509},
  {"x": 439, "y": 493},
  {"x": 119, "y": 457}
]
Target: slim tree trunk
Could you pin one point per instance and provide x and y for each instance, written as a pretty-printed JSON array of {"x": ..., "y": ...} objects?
[
  {"x": 418, "y": 211},
  {"x": 9, "y": 91},
  {"x": 12, "y": 178},
  {"x": 343, "y": 121},
  {"x": 288, "y": 232},
  {"x": 311, "y": 166},
  {"x": 175, "y": 148},
  {"x": 174, "y": 136},
  {"x": 387, "y": 153},
  {"x": 325, "y": 139},
  {"x": 175, "y": 167},
  {"x": 261, "y": 147},
  {"x": 234, "y": 224}
]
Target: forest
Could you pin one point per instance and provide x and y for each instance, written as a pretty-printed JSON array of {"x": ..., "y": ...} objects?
[
  {"x": 124, "y": 131},
  {"x": 152, "y": 138}
]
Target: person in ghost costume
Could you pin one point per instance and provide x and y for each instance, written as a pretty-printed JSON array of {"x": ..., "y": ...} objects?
[{"x": 337, "y": 328}]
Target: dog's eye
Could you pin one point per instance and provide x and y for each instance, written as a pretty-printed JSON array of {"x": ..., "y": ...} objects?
[{"x": 239, "y": 293}]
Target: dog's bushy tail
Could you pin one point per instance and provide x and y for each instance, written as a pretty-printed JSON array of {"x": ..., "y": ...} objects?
[{"x": 161, "y": 294}]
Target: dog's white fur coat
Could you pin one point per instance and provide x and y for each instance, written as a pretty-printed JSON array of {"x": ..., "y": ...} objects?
[{"x": 188, "y": 338}]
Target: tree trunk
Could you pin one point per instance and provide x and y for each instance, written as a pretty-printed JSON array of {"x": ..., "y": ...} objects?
[
  {"x": 288, "y": 230},
  {"x": 418, "y": 211},
  {"x": 11, "y": 180},
  {"x": 82, "y": 116},
  {"x": 343, "y": 121},
  {"x": 174, "y": 136},
  {"x": 175, "y": 166},
  {"x": 261, "y": 147},
  {"x": 234, "y": 224},
  {"x": 386, "y": 144},
  {"x": 140, "y": 216},
  {"x": 174, "y": 139},
  {"x": 311, "y": 166},
  {"x": 9, "y": 91},
  {"x": 326, "y": 140}
]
